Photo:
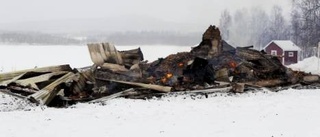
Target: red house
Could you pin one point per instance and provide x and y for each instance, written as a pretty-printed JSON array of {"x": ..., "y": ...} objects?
[{"x": 286, "y": 50}]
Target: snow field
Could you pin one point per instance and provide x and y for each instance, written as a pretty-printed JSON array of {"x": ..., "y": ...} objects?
[
  {"x": 17, "y": 57},
  {"x": 288, "y": 113}
]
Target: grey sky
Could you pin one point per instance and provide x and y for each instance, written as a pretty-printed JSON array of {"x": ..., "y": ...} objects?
[{"x": 198, "y": 12}]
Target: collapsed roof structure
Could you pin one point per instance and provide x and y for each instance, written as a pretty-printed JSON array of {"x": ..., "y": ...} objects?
[{"x": 212, "y": 66}]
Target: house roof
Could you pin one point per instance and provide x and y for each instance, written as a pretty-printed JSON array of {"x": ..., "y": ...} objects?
[{"x": 285, "y": 45}]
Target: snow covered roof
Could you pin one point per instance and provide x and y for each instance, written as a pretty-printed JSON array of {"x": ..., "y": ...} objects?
[{"x": 285, "y": 45}]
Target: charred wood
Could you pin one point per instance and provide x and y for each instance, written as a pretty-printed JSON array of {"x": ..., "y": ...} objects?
[
  {"x": 210, "y": 45},
  {"x": 131, "y": 57},
  {"x": 46, "y": 94},
  {"x": 147, "y": 86}
]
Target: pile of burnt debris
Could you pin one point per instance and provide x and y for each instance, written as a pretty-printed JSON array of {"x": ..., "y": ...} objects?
[{"x": 212, "y": 66}]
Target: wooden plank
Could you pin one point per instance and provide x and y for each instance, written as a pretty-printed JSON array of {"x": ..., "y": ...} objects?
[
  {"x": 211, "y": 90},
  {"x": 148, "y": 86},
  {"x": 6, "y": 82},
  {"x": 100, "y": 49},
  {"x": 88, "y": 75},
  {"x": 42, "y": 78},
  {"x": 87, "y": 72},
  {"x": 10, "y": 75},
  {"x": 81, "y": 80},
  {"x": 104, "y": 53},
  {"x": 95, "y": 55},
  {"x": 112, "y": 54},
  {"x": 8, "y": 92},
  {"x": 45, "y": 95},
  {"x": 310, "y": 79},
  {"x": 114, "y": 67},
  {"x": 22, "y": 91},
  {"x": 267, "y": 83}
]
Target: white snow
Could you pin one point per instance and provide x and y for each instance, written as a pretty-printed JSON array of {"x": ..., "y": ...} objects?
[
  {"x": 289, "y": 113},
  {"x": 24, "y": 56},
  {"x": 309, "y": 65}
]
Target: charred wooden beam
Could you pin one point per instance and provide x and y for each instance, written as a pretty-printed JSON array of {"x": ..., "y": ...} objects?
[
  {"x": 8, "y": 92},
  {"x": 211, "y": 90},
  {"x": 82, "y": 85},
  {"x": 260, "y": 60},
  {"x": 131, "y": 57},
  {"x": 25, "y": 91},
  {"x": 248, "y": 54},
  {"x": 88, "y": 72},
  {"x": 210, "y": 45},
  {"x": 147, "y": 86},
  {"x": 121, "y": 76}
]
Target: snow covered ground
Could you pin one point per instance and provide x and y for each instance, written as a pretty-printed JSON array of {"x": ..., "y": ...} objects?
[
  {"x": 289, "y": 113},
  {"x": 311, "y": 65},
  {"x": 25, "y": 57}
]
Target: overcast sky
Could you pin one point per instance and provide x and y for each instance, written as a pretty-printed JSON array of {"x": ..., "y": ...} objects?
[{"x": 176, "y": 11}]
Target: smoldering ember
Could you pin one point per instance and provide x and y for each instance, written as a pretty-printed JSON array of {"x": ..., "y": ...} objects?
[{"x": 212, "y": 66}]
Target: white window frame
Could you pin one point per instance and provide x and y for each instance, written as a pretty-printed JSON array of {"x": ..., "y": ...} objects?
[
  {"x": 290, "y": 54},
  {"x": 274, "y": 52}
]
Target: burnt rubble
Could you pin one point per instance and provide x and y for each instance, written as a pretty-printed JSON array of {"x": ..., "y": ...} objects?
[{"x": 212, "y": 66}]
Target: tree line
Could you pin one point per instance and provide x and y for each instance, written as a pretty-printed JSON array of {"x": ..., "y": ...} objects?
[
  {"x": 149, "y": 38},
  {"x": 119, "y": 38},
  {"x": 35, "y": 38},
  {"x": 257, "y": 27}
]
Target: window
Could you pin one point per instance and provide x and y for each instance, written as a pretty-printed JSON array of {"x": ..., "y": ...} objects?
[
  {"x": 274, "y": 52},
  {"x": 291, "y": 54}
]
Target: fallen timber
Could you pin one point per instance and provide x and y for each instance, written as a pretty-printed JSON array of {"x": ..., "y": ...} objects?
[{"x": 212, "y": 66}]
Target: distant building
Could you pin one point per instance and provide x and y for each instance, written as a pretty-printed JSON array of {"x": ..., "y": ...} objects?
[{"x": 285, "y": 50}]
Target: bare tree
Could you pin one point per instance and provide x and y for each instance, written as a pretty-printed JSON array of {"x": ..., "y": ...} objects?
[
  {"x": 254, "y": 27},
  {"x": 239, "y": 34},
  {"x": 225, "y": 24},
  {"x": 259, "y": 23},
  {"x": 278, "y": 28},
  {"x": 296, "y": 26},
  {"x": 306, "y": 24}
]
